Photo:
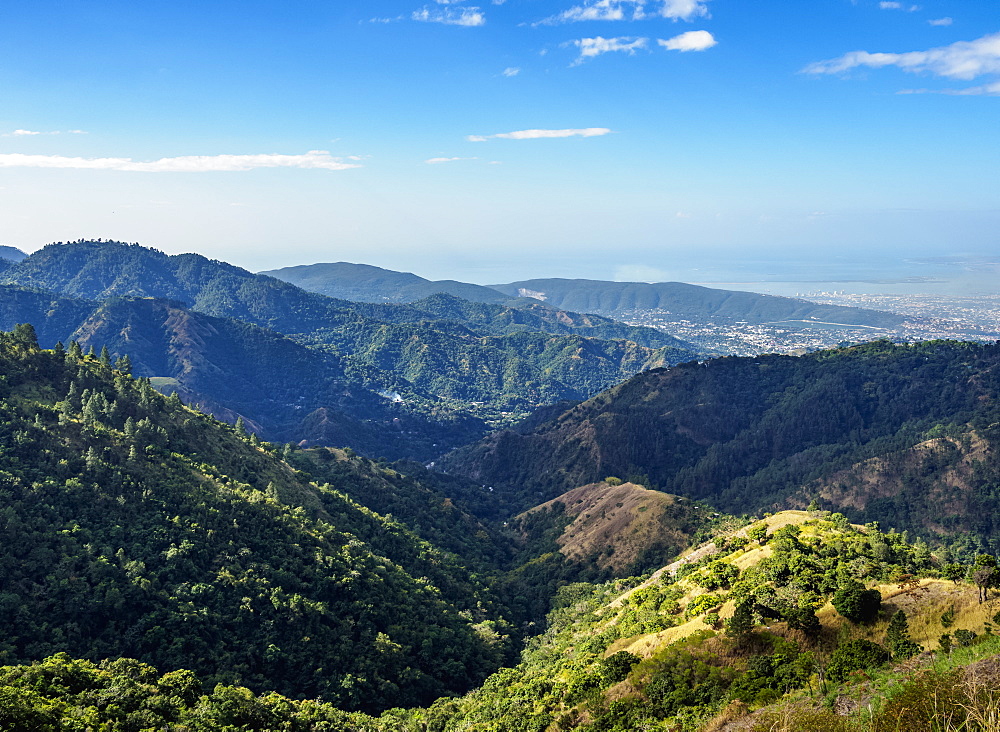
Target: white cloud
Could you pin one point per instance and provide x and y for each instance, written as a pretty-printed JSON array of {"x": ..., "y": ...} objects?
[
  {"x": 511, "y": 71},
  {"x": 690, "y": 41},
  {"x": 961, "y": 60},
  {"x": 435, "y": 161},
  {"x": 451, "y": 16},
  {"x": 593, "y": 47},
  {"x": 893, "y": 5},
  {"x": 941, "y": 21},
  {"x": 539, "y": 134},
  {"x": 986, "y": 90},
  {"x": 630, "y": 10},
  {"x": 316, "y": 159},
  {"x": 31, "y": 133}
]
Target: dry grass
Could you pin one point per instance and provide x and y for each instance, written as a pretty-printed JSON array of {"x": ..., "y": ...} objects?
[{"x": 615, "y": 525}]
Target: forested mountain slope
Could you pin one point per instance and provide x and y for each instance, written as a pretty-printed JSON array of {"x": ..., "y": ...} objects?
[
  {"x": 525, "y": 314},
  {"x": 745, "y": 433},
  {"x": 484, "y": 363},
  {"x": 283, "y": 390},
  {"x": 133, "y": 526},
  {"x": 366, "y": 283},
  {"x": 688, "y": 301},
  {"x": 11, "y": 254}
]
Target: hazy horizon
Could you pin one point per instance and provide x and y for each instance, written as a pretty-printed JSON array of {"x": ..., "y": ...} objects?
[{"x": 573, "y": 138}]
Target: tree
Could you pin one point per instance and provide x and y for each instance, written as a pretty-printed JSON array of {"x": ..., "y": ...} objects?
[
  {"x": 741, "y": 624},
  {"x": 24, "y": 337},
  {"x": 897, "y": 638},
  {"x": 856, "y": 603},
  {"x": 854, "y": 656},
  {"x": 617, "y": 667},
  {"x": 985, "y": 575},
  {"x": 953, "y": 572},
  {"x": 758, "y": 534},
  {"x": 804, "y": 619}
]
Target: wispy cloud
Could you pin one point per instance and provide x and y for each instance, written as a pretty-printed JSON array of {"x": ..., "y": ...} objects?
[
  {"x": 540, "y": 134},
  {"x": 986, "y": 90},
  {"x": 961, "y": 60},
  {"x": 316, "y": 159},
  {"x": 511, "y": 71},
  {"x": 31, "y": 133},
  {"x": 471, "y": 16},
  {"x": 592, "y": 47},
  {"x": 437, "y": 161},
  {"x": 691, "y": 41},
  {"x": 630, "y": 10},
  {"x": 893, "y": 5},
  {"x": 940, "y": 21}
]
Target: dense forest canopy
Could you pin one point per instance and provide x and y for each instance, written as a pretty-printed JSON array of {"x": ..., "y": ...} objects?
[{"x": 748, "y": 434}]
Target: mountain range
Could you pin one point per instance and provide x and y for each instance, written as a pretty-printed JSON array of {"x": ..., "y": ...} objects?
[
  {"x": 623, "y": 558},
  {"x": 366, "y": 283},
  {"x": 395, "y": 380}
]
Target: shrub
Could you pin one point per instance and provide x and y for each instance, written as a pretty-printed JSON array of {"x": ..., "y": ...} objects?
[
  {"x": 856, "y": 603},
  {"x": 617, "y": 667},
  {"x": 965, "y": 637},
  {"x": 854, "y": 656}
]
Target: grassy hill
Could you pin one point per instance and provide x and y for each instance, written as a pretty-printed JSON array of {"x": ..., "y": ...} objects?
[
  {"x": 741, "y": 634},
  {"x": 623, "y": 529}
]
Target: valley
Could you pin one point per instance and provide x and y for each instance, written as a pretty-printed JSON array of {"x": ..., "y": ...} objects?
[{"x": 327, "y": 514}]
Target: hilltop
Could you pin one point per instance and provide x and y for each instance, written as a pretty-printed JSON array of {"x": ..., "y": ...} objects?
[
  {"x": 11, "y": 254},
  {"x": 366, "y": 283}
]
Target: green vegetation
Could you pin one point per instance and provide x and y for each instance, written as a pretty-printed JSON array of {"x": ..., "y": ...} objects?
[
  {"x": 135, "y": 527},
  {"x": 919, "y": 422},
  {"x": 626, "y": 654},
  {"x": 388, "y": 380}
]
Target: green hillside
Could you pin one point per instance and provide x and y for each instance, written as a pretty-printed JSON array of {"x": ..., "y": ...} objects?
[
  {"x": 366, "y": 283},
  {"x": 745, "y": 434},
  {"x": 479, "y": 362},
  {"x": 133, "y": 526},
  {"x": 761, "y": 629},
  {"x": 283, "y": 390}
]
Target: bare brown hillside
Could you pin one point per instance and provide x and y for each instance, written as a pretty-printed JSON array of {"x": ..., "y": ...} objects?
[{"x": 621, "y": 527}]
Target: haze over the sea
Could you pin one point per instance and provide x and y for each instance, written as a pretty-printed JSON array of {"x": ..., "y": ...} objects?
[{"x": 504, "y": 139}]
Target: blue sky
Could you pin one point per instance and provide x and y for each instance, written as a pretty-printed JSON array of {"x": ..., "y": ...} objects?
[{"x": 491, "y": 141}]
